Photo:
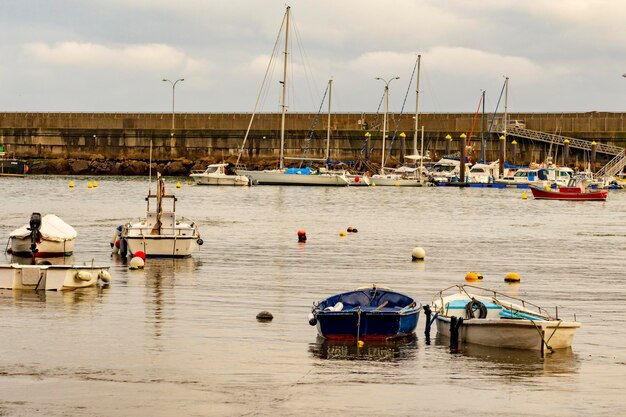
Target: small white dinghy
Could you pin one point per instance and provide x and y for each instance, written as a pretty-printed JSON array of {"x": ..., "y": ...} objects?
[
  {"x": 51, "y": 277},
  {"x": 46, "y": 236},
  {"x": 485, "y": 317}
]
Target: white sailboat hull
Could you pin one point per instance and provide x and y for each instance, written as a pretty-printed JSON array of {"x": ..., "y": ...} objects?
[
  {"x": 513, "y": 334},
  {"x": 392, "y": 180},
  {"x": 50, "y": 277},
  {"x": 277, "y": 177}
]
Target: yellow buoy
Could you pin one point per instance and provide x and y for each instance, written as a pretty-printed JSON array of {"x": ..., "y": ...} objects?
[
  {"x": 342, "y": 233},
  {"x": 89, "y": 184},
  {"x": 360, "y": 343},
  {"x": 473, "y": 276},
  {"x": 95, "y": 183},
  {"x": 524, "y": 195},
  {"x": 373, "y": 184},
  {"x": 189, "y": 182},
  {"x": 178, "y": 184},
  {"x": 512, "y": 277},
  {"x": 71, "y": 184}
]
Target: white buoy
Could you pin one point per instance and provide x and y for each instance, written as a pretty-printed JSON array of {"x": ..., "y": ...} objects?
[
  {"x": 418, "y": 254},
  {"x": 104, "y": 276},
  {"x": 136, "y": 263}
]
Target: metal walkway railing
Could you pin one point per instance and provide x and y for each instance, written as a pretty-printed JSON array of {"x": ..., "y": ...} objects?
[{"x": 613, "y": 167}]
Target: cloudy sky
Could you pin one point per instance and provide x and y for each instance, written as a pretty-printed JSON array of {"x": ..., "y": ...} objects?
[{"x": 111, "y": 55}]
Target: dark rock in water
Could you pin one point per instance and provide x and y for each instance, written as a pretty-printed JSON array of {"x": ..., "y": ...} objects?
[
  {"x": 175, "y": 168},
  {"x": 264, "y": 316}
]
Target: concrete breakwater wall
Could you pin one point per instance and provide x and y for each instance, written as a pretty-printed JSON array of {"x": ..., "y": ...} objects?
[{"x": 212, "y": 137}]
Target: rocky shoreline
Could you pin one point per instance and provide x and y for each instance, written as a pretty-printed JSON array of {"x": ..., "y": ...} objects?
[{"x": 99, "y": 165}]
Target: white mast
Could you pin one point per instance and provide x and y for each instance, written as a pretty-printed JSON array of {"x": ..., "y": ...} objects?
[
  {"x": 330, "y": 90},
  {"x": 417, "y": 96},
  {"x": 506, "y": 106},
  {"x": 284, "y": 103}
]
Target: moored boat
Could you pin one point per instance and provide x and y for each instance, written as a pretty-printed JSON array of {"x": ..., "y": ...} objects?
[
  {"x": 11, "y": 167},
  {"x": 485, "y": 317},
  {"x": 575, "y": 191},
  {"x": 51, "y": 277},
  {"x": 46, "y": 236},
  {"x": 372, "y": 313},
  {"x": 219, "y": 174},
  {"x": 161, "y": 233}
]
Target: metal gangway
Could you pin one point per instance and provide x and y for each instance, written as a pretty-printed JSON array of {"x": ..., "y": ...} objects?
[{"x": 613, "y": 167}]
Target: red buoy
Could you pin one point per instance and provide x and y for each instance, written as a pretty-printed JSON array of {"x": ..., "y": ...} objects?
[
  {"x": 301, "y": 236},
  {"x": 139, "y": 254},
  {"x": 356, "y": 179}
]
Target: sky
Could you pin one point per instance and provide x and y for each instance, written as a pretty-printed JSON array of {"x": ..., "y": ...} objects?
[{"x": 112, "y": 55}]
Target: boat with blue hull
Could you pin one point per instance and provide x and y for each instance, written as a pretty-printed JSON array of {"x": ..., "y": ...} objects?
[{"x": 372, "y": 313}]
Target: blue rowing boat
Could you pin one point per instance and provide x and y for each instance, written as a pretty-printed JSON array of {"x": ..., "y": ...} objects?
[{"x": 372, "y": 313}]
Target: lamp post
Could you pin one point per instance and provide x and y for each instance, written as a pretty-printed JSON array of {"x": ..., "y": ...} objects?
[
  {"x": 386, "y": 99},
  {"x": 173, "y": 95}
]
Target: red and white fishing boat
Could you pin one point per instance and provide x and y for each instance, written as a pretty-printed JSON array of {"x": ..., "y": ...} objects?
[{"x": 575, "y": 191}]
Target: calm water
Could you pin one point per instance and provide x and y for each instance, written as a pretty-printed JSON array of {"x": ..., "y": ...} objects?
[{"x": 180, "y": 337}]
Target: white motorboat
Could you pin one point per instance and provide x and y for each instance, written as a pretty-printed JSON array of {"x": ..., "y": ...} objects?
[
  {"x": 445, "y": 170},
  {"x": 219, "y": 174},
  {"x": 51, "y": 277},
  {"x": 46, "y": 236},
  {"x": 161, "y": 233},
  {"x": 481, "y": 173},
  {"x": 398, "y": 179},
  {"x": 489, "y": 318},
  {"x": 541, "y": 176}
]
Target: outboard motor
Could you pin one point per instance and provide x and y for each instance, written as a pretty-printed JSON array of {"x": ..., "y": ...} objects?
[{"x": 35, "y": 234}]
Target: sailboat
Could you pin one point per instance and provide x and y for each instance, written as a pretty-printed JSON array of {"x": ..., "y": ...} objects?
[
  {"x": 291, "y": 176},
  {"x": 403, "y": 176},
  {"x": 161, "y": 233}
]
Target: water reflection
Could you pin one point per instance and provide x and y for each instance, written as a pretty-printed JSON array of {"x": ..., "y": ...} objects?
[
  {"x": 391, "y": 351},
  {"x": 31, "y": 298},
  {"x": 514, "y": 362},
  {"x": 28, "y": 260}
]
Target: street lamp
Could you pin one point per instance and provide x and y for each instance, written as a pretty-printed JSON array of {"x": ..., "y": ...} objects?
[
  {"x": 173, "y": 91},
  {"x": 386, "y": 98}
]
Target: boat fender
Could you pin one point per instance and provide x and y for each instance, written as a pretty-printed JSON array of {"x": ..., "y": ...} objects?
[
  {"x": 427, "y": 313},
  {"x": 83, "y": 276},
  {"x": 200, "y": 242},
  {"x": 312, "y": 319},
  {"x": 475, "y": 306},
  {"x": 104, "y": 276},
  {"x": 123, "y": 248}
]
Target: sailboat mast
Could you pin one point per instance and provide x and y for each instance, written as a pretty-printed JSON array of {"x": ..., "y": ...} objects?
[
  {"x": 330, "y": 93},
  {"x": 506, "y": 107},
  {"x": 482, "y": 131},
  {"x": 386, "y": 106},
  {"x": 284, "y": 103},
  {"x": 417, "y": 100}
]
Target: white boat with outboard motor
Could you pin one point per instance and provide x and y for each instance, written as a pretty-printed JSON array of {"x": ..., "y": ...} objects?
[
  {"x": 161, "y": 233},
  {"x": 219, "y": 174},
  {"x": 42, "y": 237},
  {"x": 471, "y": 314},
  {"x": 43, "y": 276}
]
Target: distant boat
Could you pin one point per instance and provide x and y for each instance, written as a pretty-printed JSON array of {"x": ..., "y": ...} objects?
[
  {"x": 161, "y": 233},
  {"x": 219, "y": 174},
  {"x": 11, "y": 167},
  {"x": 575, "y": 191},
  {"x": 489, "y": 318},
  {"x": 43, "y": 237},
  {"x": 372, "y": 313},
  {"x": 292, "y": 176}
]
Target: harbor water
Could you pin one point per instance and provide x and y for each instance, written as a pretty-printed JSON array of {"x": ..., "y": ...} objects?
[{"x": 180, "y": 337}]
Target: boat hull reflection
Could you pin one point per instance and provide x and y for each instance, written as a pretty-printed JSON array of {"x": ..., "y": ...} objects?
[{"x": 379, "y": 351}]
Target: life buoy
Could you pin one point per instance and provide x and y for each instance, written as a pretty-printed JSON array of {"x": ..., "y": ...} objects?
[{"x": 475, "y": 306}]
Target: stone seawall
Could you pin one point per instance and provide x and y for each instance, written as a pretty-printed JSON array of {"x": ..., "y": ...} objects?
[{"x": 116, "y": 142}]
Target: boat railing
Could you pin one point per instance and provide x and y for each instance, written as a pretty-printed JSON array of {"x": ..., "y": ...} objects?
[{"x": 497, "y": 297}]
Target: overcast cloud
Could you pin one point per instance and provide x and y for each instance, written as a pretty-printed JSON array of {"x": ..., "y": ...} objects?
[{"x": 110, "y": 55}]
